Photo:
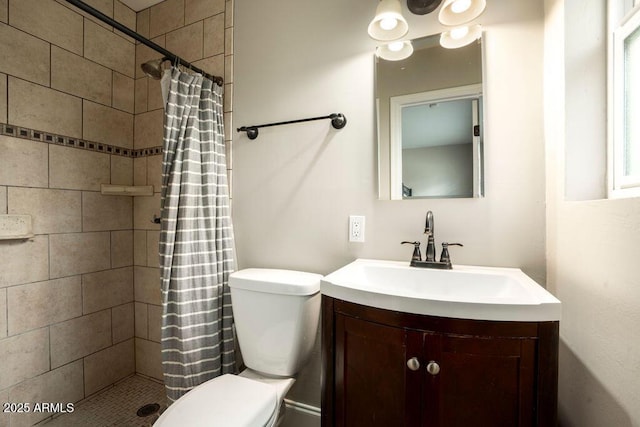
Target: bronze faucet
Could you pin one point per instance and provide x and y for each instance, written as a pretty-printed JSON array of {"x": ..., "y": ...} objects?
[{"x": 430, "y": 255}]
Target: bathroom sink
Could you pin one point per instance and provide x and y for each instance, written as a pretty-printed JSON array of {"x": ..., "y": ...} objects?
[{"x": 465, "y": 292}]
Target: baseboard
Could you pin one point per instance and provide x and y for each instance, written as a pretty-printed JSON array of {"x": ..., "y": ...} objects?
[{"x": 302, "y": 407}]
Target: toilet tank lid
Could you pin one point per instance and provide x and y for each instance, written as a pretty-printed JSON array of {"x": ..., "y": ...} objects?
[{"x": 276, "y": 281}]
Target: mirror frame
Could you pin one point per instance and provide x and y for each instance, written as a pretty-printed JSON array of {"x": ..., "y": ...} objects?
[{"x": 384, "y": 162}]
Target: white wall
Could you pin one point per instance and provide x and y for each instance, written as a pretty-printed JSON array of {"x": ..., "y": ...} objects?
[
  {"x": 439, "y": 170},
  {"x": 586, "y": 100},
  {"x": 592, "y": 249},
  {"x": 295, "y": 186}
]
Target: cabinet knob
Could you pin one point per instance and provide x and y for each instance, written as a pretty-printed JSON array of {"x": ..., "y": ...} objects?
[
  {"x": 413, "y": 364},
  {"x": 433, "y": 368}
]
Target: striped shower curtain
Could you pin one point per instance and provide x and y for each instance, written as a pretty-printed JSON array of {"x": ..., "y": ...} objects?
[{"x": 196, "y": 239}]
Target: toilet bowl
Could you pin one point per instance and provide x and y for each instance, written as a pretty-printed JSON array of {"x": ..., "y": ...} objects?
[{"x": 276, "y": 314}]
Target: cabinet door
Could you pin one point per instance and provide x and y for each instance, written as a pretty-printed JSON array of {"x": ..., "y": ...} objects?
[
  {"x": 372, "y": 387},
  {"x": 482, "y": 381}
]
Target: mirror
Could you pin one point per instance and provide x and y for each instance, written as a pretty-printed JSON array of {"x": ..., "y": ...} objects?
[{"x": 429, "y": 122}]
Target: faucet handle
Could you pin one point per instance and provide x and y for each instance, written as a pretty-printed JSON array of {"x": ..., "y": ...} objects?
[
  {"x": 417, "y": 256},
  {"x": 444, "y": 256}
]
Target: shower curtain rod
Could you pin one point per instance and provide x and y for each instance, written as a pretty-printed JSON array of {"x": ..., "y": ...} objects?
[
  {"x": 170, "y": 56},
  {"x": 338, "y": 121}
]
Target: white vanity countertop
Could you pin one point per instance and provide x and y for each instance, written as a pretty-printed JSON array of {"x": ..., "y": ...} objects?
[{"x": 465, "y": 292}]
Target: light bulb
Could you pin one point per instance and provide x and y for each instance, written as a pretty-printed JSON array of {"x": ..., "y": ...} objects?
[
  {"x": 395, "y": 46},
  {"x": 388, "y": 23},
  {"x": 460, "y": 36},
  {"x": 395, "y": 51},
  {"x": 459, "y": 32},
  {"x": 460, "y": 6}
]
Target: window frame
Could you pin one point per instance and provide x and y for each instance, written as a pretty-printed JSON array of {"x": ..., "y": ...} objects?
[{"x": 619, "y": 185}]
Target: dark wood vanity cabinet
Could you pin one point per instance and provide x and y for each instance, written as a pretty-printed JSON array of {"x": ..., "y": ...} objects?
[{"x": 387, "y": 368}]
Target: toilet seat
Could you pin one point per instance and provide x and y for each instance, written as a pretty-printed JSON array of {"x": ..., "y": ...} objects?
[{"x": 240, "y": 402}]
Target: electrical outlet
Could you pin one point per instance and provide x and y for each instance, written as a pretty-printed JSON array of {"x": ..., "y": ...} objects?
[{"x": 356, "y": 228}]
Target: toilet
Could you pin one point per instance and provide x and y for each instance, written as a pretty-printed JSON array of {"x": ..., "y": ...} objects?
[{"x": 276, "y": 315}]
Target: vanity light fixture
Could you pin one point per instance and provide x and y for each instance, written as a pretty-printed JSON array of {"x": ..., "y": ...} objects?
[
  {"x": 388, "y": 24},
  {"x": 460, "y": 36},
  {"x": 458, "y": 12},
  {"x": 395, "y": 51}
]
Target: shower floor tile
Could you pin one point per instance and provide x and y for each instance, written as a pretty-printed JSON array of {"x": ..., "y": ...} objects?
[{"x": 115, "y": 406}]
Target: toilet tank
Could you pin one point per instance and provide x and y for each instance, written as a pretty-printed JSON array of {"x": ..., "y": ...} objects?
[{"x": 276, "y": 314}]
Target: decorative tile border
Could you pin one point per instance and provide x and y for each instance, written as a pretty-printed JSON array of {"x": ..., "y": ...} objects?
[{"x": 51, "y": 138}]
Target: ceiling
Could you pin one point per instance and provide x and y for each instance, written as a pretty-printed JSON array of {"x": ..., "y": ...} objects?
[{"x": 138, "y": 5}]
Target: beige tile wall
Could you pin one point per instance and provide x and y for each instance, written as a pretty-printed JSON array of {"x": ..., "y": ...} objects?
[
  {"x": 48, "y": 20},
  {"x": 200, "y": 31},
  {"x": 65, "y": 68},
  {"x": 58, "y": 385},
  {"x": 121, "y": 170},
  {"x": 78, "y": 253},
  {"x": 83, "y": 295},
  {"x": 64, "y": 208},
  {"x": 39, "y": 304},
  {"x": 23, "y": 163},
  {"x": 77, "y": 169},
  {"x": 3, "y": 313},
  {"x": 3, "y": 200},
  {"x": 121, "y": 248},
  {"x": 107, "y": 125},
  {"x": 96, "y": 377},
  {"x": 27, "y": 261},
  {"x": 3, "y": 97},
  {"x": 122, "y": 323},
  {"x": 80, "y": 337},
  {"x": 27, "y": 355},
  {"x": 67, "y": 295},
  {"x": 4, "y": 10},
  {"x": 105, "y": 289},
  {"x": 30, "y": 55},
  {"x": 38, "y": 107}
]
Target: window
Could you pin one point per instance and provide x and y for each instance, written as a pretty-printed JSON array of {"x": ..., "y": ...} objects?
[{"x": 624, "y": 163}]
